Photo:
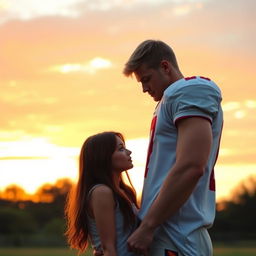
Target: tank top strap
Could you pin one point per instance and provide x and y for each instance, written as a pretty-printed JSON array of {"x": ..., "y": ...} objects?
[
  {"x": 98, "y": 185},
  {"x": 95, "y": 186}
]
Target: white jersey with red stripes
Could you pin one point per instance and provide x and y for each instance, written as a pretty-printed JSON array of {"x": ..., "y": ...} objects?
[{"x": 189, "y": 97}]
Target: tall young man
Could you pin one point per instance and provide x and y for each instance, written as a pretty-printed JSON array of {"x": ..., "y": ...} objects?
[{"x": 178, "y": 200}]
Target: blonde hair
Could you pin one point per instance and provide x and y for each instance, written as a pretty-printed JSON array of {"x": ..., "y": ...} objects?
[{"x": 151, "y": 53}]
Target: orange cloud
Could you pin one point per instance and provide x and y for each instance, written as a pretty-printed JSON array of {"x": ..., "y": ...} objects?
[
  {"x": 91, "y": 67},
  {"x": 68, "y": 104}
]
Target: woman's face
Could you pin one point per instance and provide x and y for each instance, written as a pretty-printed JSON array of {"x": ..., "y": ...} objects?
[{"x": 121, "y": 158}]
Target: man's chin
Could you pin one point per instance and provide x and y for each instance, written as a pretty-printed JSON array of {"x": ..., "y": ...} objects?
[{"x": 155, "y": 98}]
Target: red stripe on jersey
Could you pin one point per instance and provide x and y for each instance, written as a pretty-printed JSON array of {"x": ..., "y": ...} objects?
[
  {"x": 212, "y": 186},
  {"x": 189, "y": 78},
  {"x": 206, "y": 78},
  {"x": 171, "y": 253},
  {"x": 150, "y": 148}
]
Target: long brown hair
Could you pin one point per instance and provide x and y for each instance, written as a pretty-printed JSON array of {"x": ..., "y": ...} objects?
[{"x": 95, "y": 167}]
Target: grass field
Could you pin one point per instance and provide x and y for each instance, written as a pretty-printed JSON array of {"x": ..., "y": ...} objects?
[
  {"x": 219, "y": 250},
  {"x": 235, "y": 249},
  {"x": 38, "y": 252}
]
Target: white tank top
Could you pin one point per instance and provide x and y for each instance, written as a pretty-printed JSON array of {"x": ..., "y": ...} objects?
[{"x": 121, "y": 235}]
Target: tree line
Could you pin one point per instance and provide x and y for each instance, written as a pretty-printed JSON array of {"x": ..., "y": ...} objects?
[
  {"x": 29, "y": 223},
  {"x": 235, "y": 218},
  {"x": 42, "y": 222}
]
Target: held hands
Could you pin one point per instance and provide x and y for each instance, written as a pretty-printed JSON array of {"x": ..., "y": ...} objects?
[
  {"x": 98, "y": 253},
  {"x": 140, "y": 240}
]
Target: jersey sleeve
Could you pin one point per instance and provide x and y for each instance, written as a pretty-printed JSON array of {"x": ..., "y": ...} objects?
[{"x": 195, "y": 100}]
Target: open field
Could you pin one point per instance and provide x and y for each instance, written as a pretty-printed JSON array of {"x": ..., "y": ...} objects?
[
  {"x": 38, "y": 252},
  {"x": 219, "y": 250},
  {"x": 227, "y": 251},
  {"x": 247, "y": 248}
]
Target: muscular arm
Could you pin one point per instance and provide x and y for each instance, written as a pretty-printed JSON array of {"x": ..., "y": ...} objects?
[
  {"x": 103, "y": 208},
  {"x": 192, "y": 152}
]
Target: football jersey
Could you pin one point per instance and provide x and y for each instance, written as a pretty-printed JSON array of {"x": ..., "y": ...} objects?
[{"x": 188, "y": 97}]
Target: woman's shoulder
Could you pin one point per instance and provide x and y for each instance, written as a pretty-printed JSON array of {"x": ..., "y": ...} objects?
[
  {"x": 101, "y": 198},
  {"x": 101, "y": 189},
  {"x": 102, "y": 192}
]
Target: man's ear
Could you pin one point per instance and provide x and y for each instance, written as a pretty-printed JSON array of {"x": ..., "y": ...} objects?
[{"x": 165, "y": 65}]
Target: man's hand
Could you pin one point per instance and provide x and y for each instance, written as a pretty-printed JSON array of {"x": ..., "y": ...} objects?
[
  {"x": 98, "y": 253},
  {"x": 140, "y": 240}
]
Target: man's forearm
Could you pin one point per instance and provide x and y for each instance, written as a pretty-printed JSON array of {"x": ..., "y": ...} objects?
[{"x": 175, "y": 191}]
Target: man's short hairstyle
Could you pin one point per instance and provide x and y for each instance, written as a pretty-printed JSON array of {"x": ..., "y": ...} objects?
[{"x": 151, "y": 53}]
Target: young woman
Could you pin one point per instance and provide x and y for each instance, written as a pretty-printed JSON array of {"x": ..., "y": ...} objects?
[{"x": 101, "y": 209}]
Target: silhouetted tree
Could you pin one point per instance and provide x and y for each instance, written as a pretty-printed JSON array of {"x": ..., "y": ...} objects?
[
  {"x": 14, "y": 193},
  {"x": 237, "y": 218},
  {"x": 15, "y": 220},
  {"x": 56, "y": 192},
  {"x": 28, "y": 223}
]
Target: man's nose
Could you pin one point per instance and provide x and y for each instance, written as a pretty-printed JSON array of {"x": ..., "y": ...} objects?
[{"x": 144, "y": 88}]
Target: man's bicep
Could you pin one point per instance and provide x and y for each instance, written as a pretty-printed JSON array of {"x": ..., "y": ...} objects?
[{"x": 194, "y": 140}]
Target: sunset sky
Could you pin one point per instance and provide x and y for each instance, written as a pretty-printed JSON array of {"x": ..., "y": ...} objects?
[{"x": 61, "y": 80}]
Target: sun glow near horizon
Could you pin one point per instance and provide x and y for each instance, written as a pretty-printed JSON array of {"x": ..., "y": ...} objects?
[
  {"x": 41, "y": 162},
  {"x": 32, "y": 163}
]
